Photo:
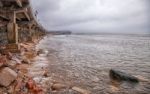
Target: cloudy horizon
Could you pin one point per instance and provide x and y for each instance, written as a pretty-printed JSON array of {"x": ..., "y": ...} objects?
[{"x": 94, "y": 15}]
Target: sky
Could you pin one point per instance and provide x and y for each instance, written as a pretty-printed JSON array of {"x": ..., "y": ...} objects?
[{"x": 123, "y": 16}]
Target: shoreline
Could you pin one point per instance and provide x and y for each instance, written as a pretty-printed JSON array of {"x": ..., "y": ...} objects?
[
  {"x": 38, "y": 72},
  {"x": 32, "y": 75},
  {"x": 51, "y": 81},
  {"x": 64, "y": 69}
]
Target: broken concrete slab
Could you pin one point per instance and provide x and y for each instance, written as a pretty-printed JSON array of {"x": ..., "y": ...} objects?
[
  {"x": 7, "y": 76},
  {"x": 12, "y": 64},
  {"x": 80, "y": 90},
  {"x": 58, "y": 86},
  {"x": 30, "y": 55},
  {"x": 122, "y": 76},
  {"x": 3, "y": 60},
  {"x": 23, "y": 68},
  {"x": 142, "y": 79},
  {"x": 26, "y": 61},
  {"x": 18, "y": 61}
]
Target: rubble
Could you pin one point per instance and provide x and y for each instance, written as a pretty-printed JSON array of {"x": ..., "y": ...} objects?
[
  {"x": 142, "y": 79},
  {"x": 23, "y": 68},
  {"x": 18, "y": 61},
  {"x": 3, "y": 60},
  {"x": 30, "y": 84},
  {"x": 12, "y": 64},
  {"x": 7, "y": 76},
  {"x": 14, "y": 72},
  {"x": 9, "y": 55},
  {"x": 45, "y": 73},
  {"x": 18, "y": 88},
  {"x": 40, "y": 51},
  {"x": 30, "y": 55},
  {"x": 27, "y": 77},
  {"x": 24, "y": 83},
  {"x": 95, "y": 79},
  {"x": 26, "y": 60},
  {"x": 33, "y": 87},
  {"x": 80, "y": 90},
  {"x": 58, "y": 86},
  {"x": 19, "y": 33}
]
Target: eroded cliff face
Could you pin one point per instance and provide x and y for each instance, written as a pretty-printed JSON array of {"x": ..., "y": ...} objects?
[{"x": 18, "y": 22}]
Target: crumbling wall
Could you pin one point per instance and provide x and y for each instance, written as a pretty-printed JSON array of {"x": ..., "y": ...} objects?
[
  {"x": 23, "y": 35},
  {"x": 17, "y": 22},
  {"x": 3, "y": 35}
]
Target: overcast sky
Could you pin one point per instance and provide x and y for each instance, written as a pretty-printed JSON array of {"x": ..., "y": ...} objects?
[{"x": 94, "y": 15}]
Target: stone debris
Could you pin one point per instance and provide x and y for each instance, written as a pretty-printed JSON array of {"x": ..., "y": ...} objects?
[
  {"x": 2, "y": 47},
  {"x": 22, "y": 68},
  {"x": 33, "y": 87},
  {"x": 95, "y": 79},
  {"x": 14, "y": 72},
  {"x": 30, "y": 83},
  {"x": 58, "y": 86},
  {"x": 19, "y": 86},
  {"x": 114, "y": 88},
  {"x": 9, "y": 55},
  {"x": 40, "y": 51},
  {"x": 142, "y": 79},
  {"x": 3, "y": 60},
  {"x": 27, "y": 86},
  {"x": 12, "y": 64},
  {"x": 22, "y": 76},
  {"x": 17, "y": 60},
  {"x": 17, "y": 47},
  {"x": 26, "y": 60},
  {"x": 7, "y": 76},
  {"x": 30, "y": 55},
  {"x": 45, "y": 73},
  {"x": 80, "y": 90}
]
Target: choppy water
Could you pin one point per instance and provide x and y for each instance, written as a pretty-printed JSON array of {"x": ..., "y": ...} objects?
[{"x": 85, "y": 60}]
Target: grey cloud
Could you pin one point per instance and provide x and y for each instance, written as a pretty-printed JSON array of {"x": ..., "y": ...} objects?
[{"x": 97, "y": 15}]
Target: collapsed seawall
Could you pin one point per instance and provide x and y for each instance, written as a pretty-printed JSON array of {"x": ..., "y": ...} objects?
[{"x": 18, "y": 23}]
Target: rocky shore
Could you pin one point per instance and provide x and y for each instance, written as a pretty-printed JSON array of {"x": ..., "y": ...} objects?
[
  {"x": 27, "y": 68},
  {"x": 26, "y": 72},
  {"x": 62, "y": 76},
  {"x": 14, "y": 77},
  {"x": 23, "y": 68},
  {"x": 19, "y": 33}
]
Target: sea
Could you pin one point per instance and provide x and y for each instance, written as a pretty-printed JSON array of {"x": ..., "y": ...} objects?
[{"x": 85, "y": 61}]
